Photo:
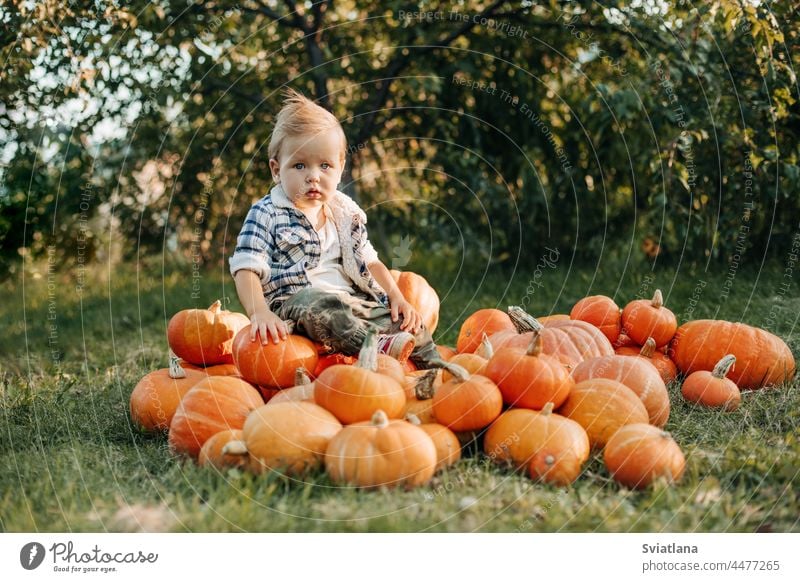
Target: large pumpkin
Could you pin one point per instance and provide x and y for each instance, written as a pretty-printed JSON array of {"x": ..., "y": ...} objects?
[
  {"x": 601, "y": 407},
  {"x": 601, "y": 312},
  {"x": 273, "y": 365},
  {"x": 156, "y": 397},
  {"x": 205, "y": 336},
  {"x": 762, "y": 359},
  {"x": 637, "y": 374},
  {"x": 215, "y": 404},
  {"x": 483, "y": 321},
  {"x": 381, "y": 452},
  {"x": 638, "y": 454},
  {"x": 420, "y": 294}
]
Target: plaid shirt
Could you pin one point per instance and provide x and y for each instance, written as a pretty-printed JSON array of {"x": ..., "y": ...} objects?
[{"x": 278, "y": 243}]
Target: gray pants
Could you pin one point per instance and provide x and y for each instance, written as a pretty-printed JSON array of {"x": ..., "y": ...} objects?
[{"x": 341, "y": 323}]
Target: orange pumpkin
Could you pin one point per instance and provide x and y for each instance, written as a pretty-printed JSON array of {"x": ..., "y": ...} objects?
[
  {"x": 205, "y": 336},
  {"x": 601, "y": 312},
  {"x": 638, "y": 454},
  {"x": 273, "y": 365},
  {"x": 420, "y": 295},
  {"x": 419, "y": 391},
  {"x": 642, "y": 319},
  {"x": 446, "y": 352},
  {"x": 211, "y": 454},
  {"x": 290, "y": 437},
  {"x": 215, "y": 370},
  {"x": 467, "y": 402},
  {"x": 552, "y": 447},
  {"x": 475, "y": 362},
  {"x": 713, "y": 389},
  {"x": 662, "y": 362},
  {"x": 354, "y": 393},
  {"x": 303, "y": 389},
  {"x": 215, "y": 404},
  {"x": 762, "y": 359},
  {"x": 637, "y": 374},
  {"x": 156, "y": 397},
  {"x": 483, "y": 321},
  {"x": 528, "y": 378},
  {"x": 327, "y": 360},
  {"x": 601, "y": 407},
  {"x": 381, "y": 453},
  {"x": 448, "y": 448},
  {"x": 388, "y": 366}
]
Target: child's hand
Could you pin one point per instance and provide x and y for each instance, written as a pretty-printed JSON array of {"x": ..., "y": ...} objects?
[
  {"x": 265, "y": 322},
  {"x": 412, "y": 321}
]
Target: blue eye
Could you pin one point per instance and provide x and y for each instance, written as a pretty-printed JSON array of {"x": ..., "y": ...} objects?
[
  {"x": 325, "y": 165},
  {"x": 299, "y": 166}
]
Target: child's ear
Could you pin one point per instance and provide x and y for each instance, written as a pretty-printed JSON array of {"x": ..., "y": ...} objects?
[{"x": 275, "y": 168}]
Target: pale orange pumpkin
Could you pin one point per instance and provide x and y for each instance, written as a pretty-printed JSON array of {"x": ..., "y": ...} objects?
[
  {"x": 381, "y": 453},
  {"x": 354, "y": 393},
  {"x": 713, "y": 389},
  {"x": 205, "y": 336},
  {"x": 273, "y": 365},
  {"x": 662, "y": 362},
  {"x": 601, "y": 312},
  {"x": 420, "y": 295},
  {"x": 642, "y": 319},
  {"x": 156, "y": 397},
  {"x": 483, "y": 321},
  {"x": 467, "y": 402},
  {"x": 636, "y": 373},
  {"x": 419, "y": 395},
  {"x": 303, "y": 389},
  {"x": 215, "y": 404},
  {"x": 212, "y": 455},
  {"x": 446, "y": 352},
  {"x": 601, "y": 407},
  {"x": 388, "y": 366},
  {"x": 215, "y": 370},
  {"x": 638, "y": 454},
  {"x": 474, "y": 363},
  {"x": 448, "y": 448}
]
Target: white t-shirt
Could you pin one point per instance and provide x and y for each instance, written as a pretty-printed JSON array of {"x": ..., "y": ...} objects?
[{"x": 329, "y": 274}]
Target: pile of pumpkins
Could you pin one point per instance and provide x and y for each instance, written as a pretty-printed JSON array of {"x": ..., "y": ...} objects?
[{"x": 540, "y": 393}]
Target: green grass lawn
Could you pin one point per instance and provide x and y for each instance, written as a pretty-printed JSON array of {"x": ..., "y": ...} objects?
[{"x": 71, "y": 461}]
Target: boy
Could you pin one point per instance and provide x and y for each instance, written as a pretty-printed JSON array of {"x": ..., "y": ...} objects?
[{"x": 303, "y": 257}]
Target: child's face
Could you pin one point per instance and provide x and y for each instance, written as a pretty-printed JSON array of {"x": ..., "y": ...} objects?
[{"x": 309, "y": 168}]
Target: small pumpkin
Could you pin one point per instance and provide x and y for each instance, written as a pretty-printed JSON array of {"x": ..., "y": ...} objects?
[
  {"x": 215, "y": 370},
  {"x": 483, "y": 321},
  {"x": 354, "y": 393},
  {"x": 601, "y": 407},
  {"x": 205, "y": 336},
  {"x": 419, "y": 395},
  {"x": 421, "y": 295},
  {"x": 661, "y": 361},
  {"x": 448, "y": 448},
  {"x": 155, "y": 398},
  {"x": 327, "y": 360},
  {"x": 273, "y": 364},
  {"x": 215, "y": 404},
  {"x": 212, "y": 455},
  {"x": 446, "y": 352},
  {"x": 381, "y": 453},
  {"x": 713, "y": 389},
  {"x": 303, "y": 389},
  {"x": 642, "y": 319},
  {"x": 475, "y": 362},
  {"x": 602, "y": 312},
  {"x": 466, "y": 402},
  {"x": 638, "y": 454}
]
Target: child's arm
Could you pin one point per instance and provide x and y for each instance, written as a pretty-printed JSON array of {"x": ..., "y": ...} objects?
[
  {"x": 262, "y": 320},
  {"x": 412, "y": 321}
]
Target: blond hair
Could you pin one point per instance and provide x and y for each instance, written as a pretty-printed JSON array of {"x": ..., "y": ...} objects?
[{"x": 301, "y": 116}]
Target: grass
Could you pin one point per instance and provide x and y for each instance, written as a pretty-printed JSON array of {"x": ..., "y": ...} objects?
[{"x": 71, "y": 461}]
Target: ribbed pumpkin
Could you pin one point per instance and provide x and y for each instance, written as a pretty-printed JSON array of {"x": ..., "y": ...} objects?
[
  {"x": 388, "y": 366},
  {"x": 273, "y": 365},
  {"x": 290, "y": 437},
  {"x": 713, "y": 389},
  {"x": 215, "y": 404},
  {"x": 467, "y": 402},
  {"x": 642, "y": 319},
  {"x": 303, "y": 390},
  {"x": 483, "y": 321},
  {"x": 448, "y": 448},
  {"x": 354, "y": 393},
  {"x": 156, "y": 397},
  {"x": 661, "y": 361},
  {"x": 420, "y": 294},
  {"x": 638, "y": 454},
  {"x": 601, "y": 407},
  {"x": 637, "y": 374},
  {"x": 602, "y": 312},
  {"x": 762, "y": 359},
  {"x": 475, "y": 362},
  {"x": 556, "y": 446},
  {"x": 211, "y": 454},
  {"x": 528, "y": 378},
  {"x": 205, "y": 336},
  {"x": 381, "y": 453}
]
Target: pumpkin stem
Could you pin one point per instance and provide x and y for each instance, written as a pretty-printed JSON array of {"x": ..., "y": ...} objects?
[
  {"x": 413, "y": 419},
  {"x": 423, "y": 388},
  {"x": 523, "y": 320},
  {"x": 535, "y": 345},
  {"x": 460, "y": 374},
  {"x": 379, "y": 419},
  {"x": 649, "y": 348},
  {"x": 215, "y": 307},
  {"x": 658, "y": 299},
  {"x": 549, "y": 460},
  {"x": 175, "y": 370},
  {"x": 368, "y": 356},
  {"x": 724, "y": 366},
  {"x": 485, "y": 350},
  {"x": 301, "y": 377},
  {"x": 235, "y": 448},
  {"x": 548, "y": 408}
]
